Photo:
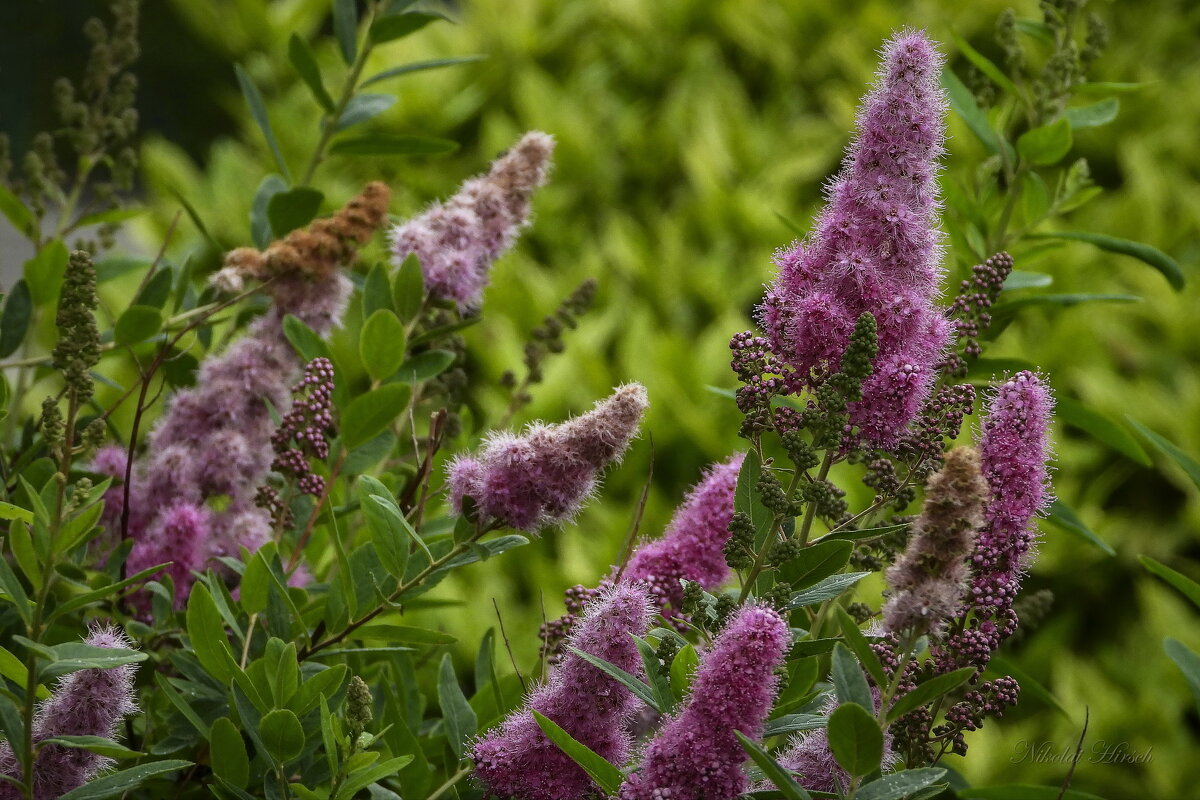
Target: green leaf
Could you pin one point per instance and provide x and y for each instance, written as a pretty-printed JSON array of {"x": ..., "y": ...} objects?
[
  {"x": 376, "y": 291},
  {"x": 382, "y": 344},
  {"x": 1019, "y": 279},
  {"x": 1064, "y": 518},
  {"x": 13, "y": 668},
  {"x": 17, "y": 212},
  {"x": 1030, "y": 686},
  {"x": 639, "y": 688},
  {"x": 660, "y": 683},
  {"x": 403, "y": 633},
  {"x": 1007, "y": 308},
  {"x": 157, "y": 290},
  {"x": 398, "y": 26},
  {"x": 793, "y": 723},
  {"x": 418, "y": 66},
  {"x": 817, "y": 562},
  {"x": 1094, "y": 115},
  {"x": 855, "y": 739},
  {"x": 44, "y": 272},
  {"x": 408, "y": 289},
  {"x": 984, "y": 65},
  {"x": 848, "y": 679},
  {"x": 827, "y": 589},
  {"x": 361, "y": 779},
  {"x": 103, "y": 593},
  {"x": 95, "y": 744},
  {"x": 457, "y": 714},
  {"x": 363, "y": 107},
  {"x": 18, "y": 310},
  {"x": 1018, "y": 791},
  {"x": 1156, "y": 258},
  {"x": 771, "y": 769},
  {"x": 304, "y": 340},
  {"x": 1187, "y": 661},
  {"x": 295, "y": 208},
  {"x": 1189, "y": 464},
  {"x": 181, "y": 704},
  {"x": 747, "y": 501},
  {"x": 116, "y": 784},
  {"x": 683, "y": 670},
  {"x": 1101, "y": 427},
  {"x": 424, "y": 366},
  {"x": 206, "y": 630},
  {"x": 1046, "y": 144},
  {"x": 1190, "y": 589},
  {"x": 862, "y": 649},
  {"x": 392, "y": 144},
  {"x": 929, "y": 691},
  {"x": 137, "y": 324},
  {"x": 258, "y": 110},
  {"x": 281, "y": 734},
  {"x": 899, "y": 785},
  {"x": 345, "y": 28},
  {"x": 74, "y": 656},
  {"x": 606, "y": 776},
  {"x": 302, "y": 58},
  {"x": 962, "y": 101},
  {"x": 260, "y": 223},
  {"x": 368, "y": 415}
]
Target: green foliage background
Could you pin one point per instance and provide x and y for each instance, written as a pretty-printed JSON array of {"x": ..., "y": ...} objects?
[{"x": 686, "y": 130}]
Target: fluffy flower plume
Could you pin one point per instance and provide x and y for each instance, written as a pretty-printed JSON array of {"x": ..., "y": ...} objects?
[
  {"x": 929, "y": 580},
  {"x": 517, "y": 760},
  {"x": 214, "y": 440},
  {"x": 692, "y": 547},
  {"x": 90, "y": 702},
  {"x": 875, "y": 248},
  {"x": 457, "y": 241},
  {"x": 543, "y": 476},
  {"x": 696, "y": 755}
]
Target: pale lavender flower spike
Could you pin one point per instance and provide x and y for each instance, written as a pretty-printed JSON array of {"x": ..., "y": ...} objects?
[
  {"x": 456, "y": 241},
  {"x": 692, "y": 547},
  {"x": 875, "y": 248},
  {"x": 517, "y": 760},
  {"x": 695, "y": 755},
  {"x": 89, "y": 702},
  {"x": 542, "y": 476}
]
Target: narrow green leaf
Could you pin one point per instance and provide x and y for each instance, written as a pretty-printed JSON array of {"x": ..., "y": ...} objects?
[
  {"x": 206, "y": 630},
  {"x": 258, "y": 110},
  {"x": 17, "y": 212},
  {"x": 345, "y": 28},
  {"x": 827, "y": 589},
  {"x": 793, "y": 723},
  {"x": 1187, "y": 661},
  {"x": 963, "y": 103},
  {"x": 817, "y": 562},
  {"x": 1101, "y": 427},
  {"x": 848, "y": 679},
  {"x": 137, "y": 324},
  {"x": 181, "y": 704},
  {"x": 1190, "y": 589},
  {"x": 369, "y": 414},
  {"x": 403, "y": 633},
  {"x": 424, "y": 366},
  {"x": 305, "y": 63},
  {"x": 630, "y": 682},
  {"x": 397, "y": 26},
  {"x": 1094, "y": 115},
  {"x": 260, "y": 222},
  {"x": 382, "y": 344},
  {"x": 363, "y": 778},
  {"x": 1156, "y": 258},
  {"x": 418, "y": 66},
  {"x": 1019, "y": 279},
  {"x": 1046, "y": 144},
  {"x": 384, "y": 144},
  {"x": 457, "y": 714},
  {"x": 295, "y": 208},
  {"x": 606, "y": 776},
  {"x": 862, "y": 649},
  {"x": 95, "y": 744},
  {"x": 116, "y": 784},
  {"x": 1064, "y": 518},
  {"x": 282, "y": 734},
  {"x": 1186, "y": 462},
  {"x": 18, "y": 310},
  {"x": 307, "y": 343},
  {"x": 1030, "y": 686},
  {"x": 855, "y": 739},
  {"x": 929, "y": 691},
  {"x": 984, "y": 65},
  {"x": 1007, "y": 308},
  {"x": 660, "y": 683},
  {"x": 363, "y": 107},
  {"x": 899, "y": 785},
  {"x": 44, "y": 272},
  {"x": 1020, "y": 791},
  {"x": 772, "y": 771}
]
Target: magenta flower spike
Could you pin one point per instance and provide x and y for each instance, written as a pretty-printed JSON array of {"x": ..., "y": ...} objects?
[
  {"x": 695, "y": 755},
  {"x": 692, "y": 547},
  {"x": 875, "y": 248},
  {"x": 89, "y": 702},
  {"x": 457, "y": 241},
  {"x": 543, "y": 476},
  {"x": 517, "y": 760}
]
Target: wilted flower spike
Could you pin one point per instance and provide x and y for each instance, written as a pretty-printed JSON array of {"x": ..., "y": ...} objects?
[
  {"x": 692, "y": 547},
  {"x": 90, "y": 702},
  {"x": 543, "y": 476},
  {"x": 457, "y": 241},
  {"x": 928, "y": 581},
  {"x": 696, "y": 755},
  {"x": 874, "y": 249},
  {"x": 517, "y": 760}
]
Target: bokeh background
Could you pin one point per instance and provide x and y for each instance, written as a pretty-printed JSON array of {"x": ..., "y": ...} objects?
[{"x": 686, "y": 130}]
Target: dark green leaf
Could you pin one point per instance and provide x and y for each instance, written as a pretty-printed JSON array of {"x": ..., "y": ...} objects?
[
  {"x": 899, "y": 785},
  {"x": 376, "y": 291},
  {"x": 206, "y": 630},
  {"x": 17, "y": 212},
  {"x": 855, "y": 739},
  {"x": 1094, "y": 115},
  {"x": 457, "y": 714},
  {"x": 74, "y": 656},
  {"x": 660, "y": 683},
  {"x": 1046, "y": 144},
  {"x": 1064, "y": 518},
  {"x": 630, "y": 682},
  {"x": 408, "y": 289},
  {"x": 116, "y": 784},
  {"x": 258, "y": 110},
  {"x": 44, "y": 272},
  {"x": 18, "y": 309},
  {"x": 1006, "y": 308},
  {"x": 1190, "y": 589},
  {"x": 1156, "y": 258},
  {"x": 229, "y": 758},
  {"x": 424, "y": 366},
  {"x": 793, "y": 723},
  {"x": 418, "y": 66},
  {"x": 295, "y": 208},
  {"x": 137, "y": 324},
  {"x": 95, "y": 744},
  {"x": 772, "y": 771},
  {"x": 181, "y": 705},
  {"x": 1030, "y": 686},
  {"x": 1023, "y": 792},
  {"x": 382, "y": 345},
  {"x": 963, "y": 103},
  {"x": 848, "y": 679},
  {"x": 382, "y": 632},
  {"x": 369, "y": 414},
  {"x": 345, "y": 28},
  {"x": 827, "y": 589},
  {"x": 1187, "y": 661},
  {"x": 260, "y": 222},
  {"x": 306, "y": 342},
  {"x": 1189, "y": 464},
  {"x": 281, "y": 734},
  {"x": 384, "y": 144},
  {"x": 363, "y": 107},
  {"x": 157, "y": 290},
  {"x": 816, "y": 562},
  {"x": 1108, "y": 87},
  {"x": 302, "y": 58},
  {"x": 388, "y": 29},
  {"x": 929, "y": 691},
  {"x": 606, "y": 776},
  {"x": 862, "y": 649},
  {"x": 984, "y": 65},
  {"x": 1102, "y": 428}
]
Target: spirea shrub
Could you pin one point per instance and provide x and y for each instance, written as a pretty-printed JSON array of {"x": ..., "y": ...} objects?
[{"x": 225, "y": 497}]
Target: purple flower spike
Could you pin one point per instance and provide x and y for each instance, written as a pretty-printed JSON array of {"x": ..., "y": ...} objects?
[
  {"x": 875, "y": 248},
  {"x": 457, "y": 241},
  {"x": 90, "y": 702},
  {"x": 517, "y": 760},
  {"x": 695, "y": 754},
  {"x": 692, "y": 547},
  {"x": 543, "y": 476}
]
